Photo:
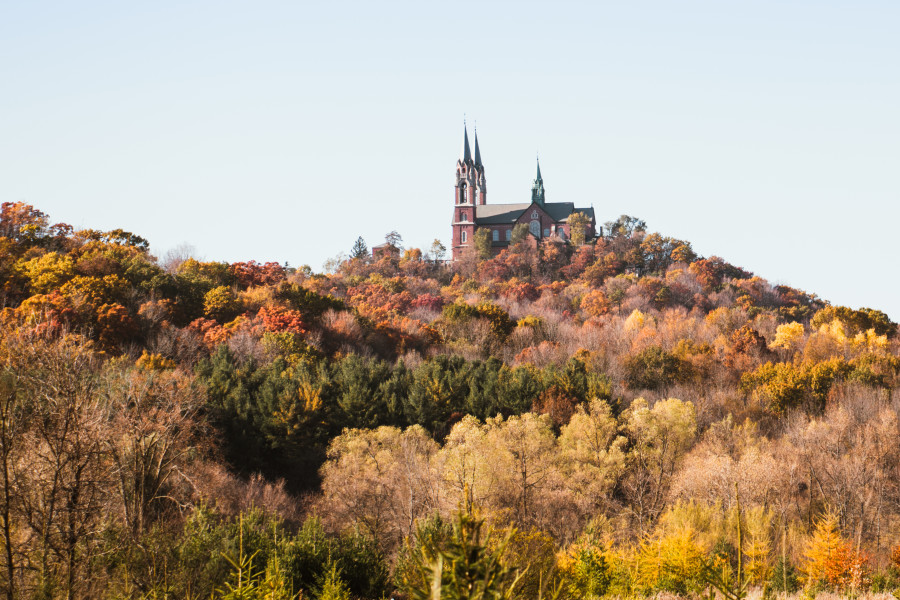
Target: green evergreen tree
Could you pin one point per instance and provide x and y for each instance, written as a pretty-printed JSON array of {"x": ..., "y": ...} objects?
[{"x": 359, "y": 250}]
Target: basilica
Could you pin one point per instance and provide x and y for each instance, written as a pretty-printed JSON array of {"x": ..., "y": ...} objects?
[{"x": 471, "y": 211}]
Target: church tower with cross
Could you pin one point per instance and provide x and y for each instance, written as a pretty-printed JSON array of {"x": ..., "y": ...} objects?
[{"x": 471, "y": 212}]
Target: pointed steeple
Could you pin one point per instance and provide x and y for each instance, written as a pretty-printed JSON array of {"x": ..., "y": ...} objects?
[
  {"x": 537, "y": 189},
  {"x": 477, "y": 150},
  {"x": 465, "y": 155}
]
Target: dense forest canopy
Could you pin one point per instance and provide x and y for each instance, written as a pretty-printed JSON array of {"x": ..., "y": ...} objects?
[{"x": 617, "y": 416}]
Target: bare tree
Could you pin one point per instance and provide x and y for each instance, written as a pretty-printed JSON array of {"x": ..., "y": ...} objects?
[
  {"x": 62, "y": 477},
  {"x": 10, "y": 446}
]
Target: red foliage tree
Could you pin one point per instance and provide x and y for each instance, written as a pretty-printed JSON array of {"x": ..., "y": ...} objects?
[
  {"x": 251, "y": 273},
  {"x": 282, "y": 320}
]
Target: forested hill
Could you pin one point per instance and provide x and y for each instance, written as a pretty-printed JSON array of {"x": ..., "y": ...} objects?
[{"x": 635, "y": 411}]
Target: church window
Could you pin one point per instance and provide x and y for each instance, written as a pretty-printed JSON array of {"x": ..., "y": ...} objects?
[
  {"x": 535, "y": 228},
  {"x": 462, "y": 237},
  {"x": 463, "y": 216},
  {"x": 496, "y": 235},
  {"x": 508, "y": 234}
]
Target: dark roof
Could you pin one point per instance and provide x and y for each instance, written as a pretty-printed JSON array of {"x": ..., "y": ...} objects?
[
  {"x": 499, "y": 214},
  {"x": 496, "y": 214}
]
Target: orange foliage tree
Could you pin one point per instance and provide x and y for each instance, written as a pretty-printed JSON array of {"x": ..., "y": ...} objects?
[{"x": 831, "y": 559}]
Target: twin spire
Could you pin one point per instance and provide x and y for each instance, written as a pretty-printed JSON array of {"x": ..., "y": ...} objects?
[{"x": 465, "y": 155}]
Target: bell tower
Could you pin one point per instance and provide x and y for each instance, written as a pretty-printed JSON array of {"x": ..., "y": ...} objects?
[{"x": 470, "y": 189}]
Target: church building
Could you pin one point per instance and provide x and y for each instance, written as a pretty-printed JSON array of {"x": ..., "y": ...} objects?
[{"x": 471, "y": 211}]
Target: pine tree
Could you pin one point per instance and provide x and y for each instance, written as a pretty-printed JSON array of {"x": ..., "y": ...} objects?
[{"x": 359, "y": 250}]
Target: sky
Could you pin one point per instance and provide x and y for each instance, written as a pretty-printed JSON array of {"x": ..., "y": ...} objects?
[{"x": 765, "y": 132}]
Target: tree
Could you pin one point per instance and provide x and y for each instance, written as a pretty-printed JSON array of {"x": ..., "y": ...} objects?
[
  {"x": 833, "y": 560},
  {"x": 359, "y": 250},
  {"x": 522, "y": 452},
  {"x": 578, "y": 228},
  {"x": 483, "y": 243},
  {"x": 437, "y": 251},
  {"x": 519, "y": 233},
  {"x": 593, "y": 454},
  {"x": 653, "y": 368},
  {"x": 394, "y": 240},
  {"x": 62, "y": 484},
  {"x": 221, "y": 304},
  {"x": 48, "y": 272},
  {"x": 855, "y": 321},
  {"x": 659, "y": 437},
  {"x": 624, "y": 226},
  {"x": 461, "y": 567},
  {"x": 381, "y": 478},
  {"x": 12, "y": 412},
  {"x": 151, "y": 424}
]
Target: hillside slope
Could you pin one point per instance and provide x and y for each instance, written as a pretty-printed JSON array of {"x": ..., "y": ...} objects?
[{"x": 624, "y": 401}]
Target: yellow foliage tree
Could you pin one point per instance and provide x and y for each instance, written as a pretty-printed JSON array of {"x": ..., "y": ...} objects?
[
  {"x": 831, "y": 559},
  {"x": 595, "y": 303},
  {"x": 787, "y": 336},
  {"x": 635, "y": 321}
]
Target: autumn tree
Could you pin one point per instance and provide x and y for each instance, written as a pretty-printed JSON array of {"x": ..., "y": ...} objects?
[
  {"x": 624, "y": 226},
  {"x": 12, "y": 427},
  {"x": 659, "y": 437},
  {"x": 63, "y": 480},
  {"x": 381, "y": 478},
  {"x": 150, "y": 433},
  {"x": 522, "y": 453},
  {"x": 654, "y": 368},
  {"x": 221, "y": 304},
  {"x": 832, "y": 559},
  {"x": 578, "y": 228},
  {"x": 855, "y": 321},
  {"x": 593, "y": 455}
]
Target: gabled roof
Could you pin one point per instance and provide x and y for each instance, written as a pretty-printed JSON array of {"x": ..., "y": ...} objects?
[{"x": 499, "y": 214}]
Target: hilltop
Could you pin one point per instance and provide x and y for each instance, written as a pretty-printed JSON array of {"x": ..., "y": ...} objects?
[{"x": 621, "y": 400}]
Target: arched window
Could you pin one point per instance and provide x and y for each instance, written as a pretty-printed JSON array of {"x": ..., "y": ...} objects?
[
  {"x": 462, "y": 237},
  {"x": 508, "y": 234},
  {"x": 496, "y": 235},
  {"x": 535, "y": 228},
  {"x": 462, "y": 193},
  {"x": 463, "y": 216}
]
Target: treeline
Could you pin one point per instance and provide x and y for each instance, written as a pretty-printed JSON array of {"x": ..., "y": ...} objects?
[{"x": 624, "y": 416}]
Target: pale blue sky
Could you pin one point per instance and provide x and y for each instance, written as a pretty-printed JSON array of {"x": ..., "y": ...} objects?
[{"x": 765, "y": 132}]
